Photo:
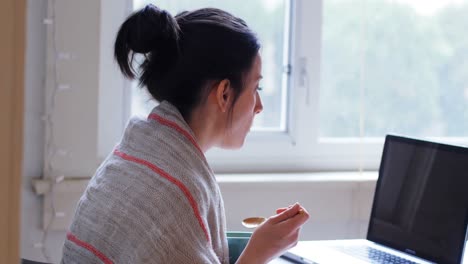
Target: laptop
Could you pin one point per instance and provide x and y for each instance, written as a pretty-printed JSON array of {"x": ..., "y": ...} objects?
[{"x": 419, "y": 213}]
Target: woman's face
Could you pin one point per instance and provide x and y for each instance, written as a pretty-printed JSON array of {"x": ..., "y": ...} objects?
[{"x": 246, "y": 107}]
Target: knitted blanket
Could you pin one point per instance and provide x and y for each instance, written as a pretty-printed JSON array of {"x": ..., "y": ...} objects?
[{"x": 153, "y": 200}]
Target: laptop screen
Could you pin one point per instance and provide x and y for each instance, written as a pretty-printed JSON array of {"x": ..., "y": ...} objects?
[{"x": 421, "y": 199}]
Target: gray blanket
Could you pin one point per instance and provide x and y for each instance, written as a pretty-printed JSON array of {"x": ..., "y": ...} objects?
[{"x": 153, "y": 200}]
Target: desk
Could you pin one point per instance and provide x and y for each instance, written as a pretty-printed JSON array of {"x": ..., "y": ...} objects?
[{"x": 306, "y": 243}]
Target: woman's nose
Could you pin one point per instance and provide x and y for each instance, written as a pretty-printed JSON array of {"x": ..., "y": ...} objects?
[{"x": 259, "y": 105}]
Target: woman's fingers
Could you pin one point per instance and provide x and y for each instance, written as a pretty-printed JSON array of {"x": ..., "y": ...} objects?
[
  {"x": 289, "y": 213},
  {"x": 296, "y": 221},
  {"x": 280, "y": 210}
]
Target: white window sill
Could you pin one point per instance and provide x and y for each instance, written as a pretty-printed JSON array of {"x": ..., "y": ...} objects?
[
  {"x": 78, "y": 184},
  {"x": 354, "y": 176}
]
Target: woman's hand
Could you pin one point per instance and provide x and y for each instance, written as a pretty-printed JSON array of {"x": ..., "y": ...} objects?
[{"x": 276, "y": 235}]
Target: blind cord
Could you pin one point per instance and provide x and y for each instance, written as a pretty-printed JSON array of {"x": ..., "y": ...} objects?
[{"x": 51, "y": 150}]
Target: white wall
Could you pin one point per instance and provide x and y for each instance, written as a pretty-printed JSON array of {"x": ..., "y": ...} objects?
[{"x": 339, "y": 204}]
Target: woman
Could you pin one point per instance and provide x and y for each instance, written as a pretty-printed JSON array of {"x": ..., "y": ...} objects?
[{"x": 155, "y": 198}]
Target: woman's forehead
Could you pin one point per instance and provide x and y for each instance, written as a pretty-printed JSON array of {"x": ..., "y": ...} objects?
[{"x": 255, "y": 72}]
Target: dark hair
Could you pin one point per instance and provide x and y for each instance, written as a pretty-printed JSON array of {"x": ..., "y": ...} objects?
[{"x": 183, "y": 53}]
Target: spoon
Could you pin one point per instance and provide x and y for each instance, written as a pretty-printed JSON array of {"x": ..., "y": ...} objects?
[{"x": 253, "y": 222}]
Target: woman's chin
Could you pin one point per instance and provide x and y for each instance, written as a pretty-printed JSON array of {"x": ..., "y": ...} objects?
[{"x": 233, "y": 145}]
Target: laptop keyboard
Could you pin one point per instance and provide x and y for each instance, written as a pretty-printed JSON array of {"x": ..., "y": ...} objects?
[{"x": 372, "y": 255}]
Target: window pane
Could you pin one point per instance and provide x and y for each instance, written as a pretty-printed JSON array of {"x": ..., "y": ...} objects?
[
  {"x": 396, "y": 66},
  {"x": 267, "y": 18}
]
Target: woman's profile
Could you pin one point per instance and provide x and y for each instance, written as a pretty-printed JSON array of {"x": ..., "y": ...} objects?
[{"x": 155, "y": 198}]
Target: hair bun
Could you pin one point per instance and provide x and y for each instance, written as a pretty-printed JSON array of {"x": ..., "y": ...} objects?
[
  {"x": 152, "y": 29},
  {"x": 149, "y": 29}
]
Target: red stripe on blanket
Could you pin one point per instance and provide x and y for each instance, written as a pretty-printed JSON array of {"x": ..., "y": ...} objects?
[
  {"x": 87, "y": 246},
  {"x": 175, "y": 126},
  {"x": 178, "y": 183}
]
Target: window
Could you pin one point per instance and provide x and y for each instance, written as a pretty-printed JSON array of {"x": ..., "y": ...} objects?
[
  {"x": 340, "y": 74},
  {"x": 394, "y": 66}
]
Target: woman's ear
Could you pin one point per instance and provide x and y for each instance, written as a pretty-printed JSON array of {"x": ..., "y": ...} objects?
[{"x": 224, "y": 95}]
